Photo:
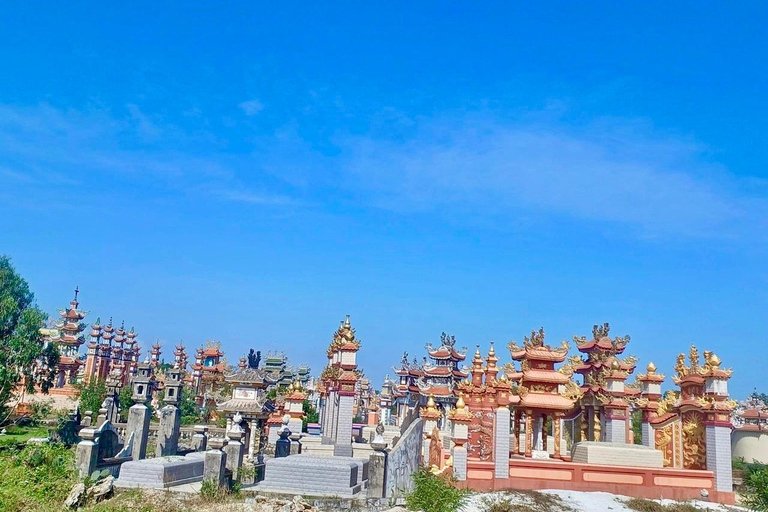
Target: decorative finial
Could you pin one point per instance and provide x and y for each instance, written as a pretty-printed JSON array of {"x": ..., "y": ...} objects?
[
  {"x": 615, "y": 365},
  {"x": 431, "y": 402},
  {"x": 477, "y": 352},
  {"x": 651, "y": 368},
  {"x": 492, "y": 351},
  {"x": 77, "y": 290},
  {"x": 347, "y": 322},
  {"x": 460, "y": 402}
]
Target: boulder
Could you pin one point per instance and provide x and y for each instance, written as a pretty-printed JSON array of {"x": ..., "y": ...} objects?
[
  {"x": 102, "y": 490},
  {"x": 76, "y": 496}
]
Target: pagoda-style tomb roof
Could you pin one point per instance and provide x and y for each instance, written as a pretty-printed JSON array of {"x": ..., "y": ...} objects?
[
  {"x": 446, "y": 350},
  {"x": 255, "y": 377},
  {"x": 539, "y": 386}
]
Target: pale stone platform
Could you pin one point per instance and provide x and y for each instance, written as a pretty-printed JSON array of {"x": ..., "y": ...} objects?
[
  {"x": 617, "y": 454},
  {"x": 315, "y": 475},
  {"x": 162, "y": 472}
]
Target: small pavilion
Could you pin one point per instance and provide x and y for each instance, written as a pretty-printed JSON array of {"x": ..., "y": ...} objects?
[
  {"x": 249, "y": 387},
  {"x": 539, "y": 390}
]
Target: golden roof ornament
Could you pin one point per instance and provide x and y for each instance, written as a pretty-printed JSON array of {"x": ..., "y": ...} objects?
[
  {"x": 615, "y": 364},
  {"x": 460, "y": 402},
  {"x": 491, "y": 352},
  {"x": 651, "y": 368},
  {"x": 694, "y": 359}
]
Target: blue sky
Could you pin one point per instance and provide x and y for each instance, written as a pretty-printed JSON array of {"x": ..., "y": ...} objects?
[{"x": 251, "y": 173}]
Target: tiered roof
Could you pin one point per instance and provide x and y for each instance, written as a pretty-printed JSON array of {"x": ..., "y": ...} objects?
[
  {"x": 602, "y": 363},
  {"x": 342, "y": 374},
  {"x": 539, "y": 386},
  {"x": 68, "y": 334},
  {"x": 438, "y": 378}
]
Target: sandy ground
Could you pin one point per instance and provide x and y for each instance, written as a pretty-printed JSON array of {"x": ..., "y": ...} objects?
[{"x": 579, "y": 501}]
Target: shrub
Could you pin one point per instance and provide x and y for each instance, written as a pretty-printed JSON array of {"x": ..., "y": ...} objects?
[
  {"x": 755, "y": 490},
  {"x": 433, "y": 493},
  {"x": 210, "y": 491}
]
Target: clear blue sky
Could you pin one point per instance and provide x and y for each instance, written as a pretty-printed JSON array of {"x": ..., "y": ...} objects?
[{"x": 252, "y": 172}]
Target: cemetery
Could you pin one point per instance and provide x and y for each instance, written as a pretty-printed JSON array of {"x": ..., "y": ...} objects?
[{"x": 524, "y": 425}]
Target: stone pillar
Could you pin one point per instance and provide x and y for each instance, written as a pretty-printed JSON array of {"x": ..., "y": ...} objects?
[
  {"x": 615, "y": 426},
  {"x": 518, "y": 446},
  {"x": 377, "y": 470},
  {"x": 647, "y": 433},
  {"x": 718, "y": 439},
  {"x": 544, "y": 433},
  {"x": 583, "y": 425},
  {"x": 215, "y": 464},
  {"x": 343, "y": 441},
  {"x": 200, "y": 438},
  {"x": 460, "y": 417},
  {"x": 87, "y": 455},
  {"x": 528, "y": 433},
  {"x": 235, "y": 452},
  {"x": 138, "y": 425},
  {"x": 168, "y": 431},
  {"x": 501, "y": 443}
]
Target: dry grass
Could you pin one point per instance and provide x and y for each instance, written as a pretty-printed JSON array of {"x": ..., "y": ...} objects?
[
  {"x": 525, "y": 501},
  {"x": 642, "y": 505}
]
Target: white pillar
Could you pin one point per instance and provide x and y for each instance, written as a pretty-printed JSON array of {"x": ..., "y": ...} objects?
[
  {"x": 501, "y": 444},
  {"x": 719, "y": 456}
]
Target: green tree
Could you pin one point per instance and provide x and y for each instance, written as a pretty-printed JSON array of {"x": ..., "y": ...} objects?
[
  {"x": 190, "y": 412},
  {"x": 125, "y": 401},
  {"x": 92, "y": 395},
  {"x": 21, "y": 344},
  {"x": 310, "y": 414},
  {"x": 637, "y": 426}
]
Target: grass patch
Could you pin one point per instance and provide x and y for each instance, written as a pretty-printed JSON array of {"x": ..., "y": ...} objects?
[
  {"x": 36, "y": 478},
  {"x": 432, "y": 493}
]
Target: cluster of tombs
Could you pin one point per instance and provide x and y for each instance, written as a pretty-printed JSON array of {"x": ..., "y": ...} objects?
[
  {"x": 524, "y": 425},
  {"x": 112, "y": 355},
  {"x": 533, "y": 426}
]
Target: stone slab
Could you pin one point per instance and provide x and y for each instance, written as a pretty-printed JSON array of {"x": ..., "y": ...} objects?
[
  {"x": 315, "y": 475},
  {"x": 162, "y": 472},
  {"x": 617, "y": 454}
]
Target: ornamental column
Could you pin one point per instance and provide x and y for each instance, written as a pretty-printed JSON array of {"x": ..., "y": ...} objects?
[
  {"x": 502, "y": 427},
  {"x": 528, "y": 433},
  {"x": 650, "y": 383},
  {"x": 717, "y": 408},
  {"x": 617, "y": 411},
  {"x": 137, "y": 430},
  {"x": 460, "y": 419},
  {"x": 170, "y": 415},
  {"x": 557, "y": 421}
]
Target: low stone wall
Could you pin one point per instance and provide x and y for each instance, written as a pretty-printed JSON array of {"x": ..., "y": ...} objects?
[
  {"x": 185, "y": 433},
  {"x": 649, "y": 483},
  {"x": 404, "y": 459}
]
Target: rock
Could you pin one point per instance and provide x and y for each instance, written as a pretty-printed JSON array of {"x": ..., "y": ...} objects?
[
  {"x": 397, "y": 509},
  {"x": 76, "y": 496},
  {"x": 103, "y": 489}
]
